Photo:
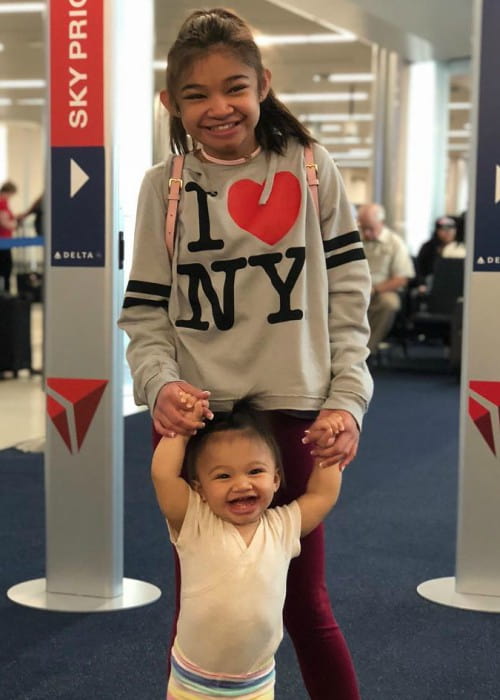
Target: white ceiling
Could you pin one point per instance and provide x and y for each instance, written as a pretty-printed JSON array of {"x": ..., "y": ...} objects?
[
  {"x": 445, "y": 24},
  {"x": 441, "y": 27}
]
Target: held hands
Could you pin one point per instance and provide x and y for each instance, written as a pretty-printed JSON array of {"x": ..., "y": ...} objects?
[
  {"x": 173, "y": 412},
  {"x": 334, "y": 437}
]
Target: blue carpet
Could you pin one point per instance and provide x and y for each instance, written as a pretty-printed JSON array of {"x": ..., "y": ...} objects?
[{"x": 393, "y": 528}]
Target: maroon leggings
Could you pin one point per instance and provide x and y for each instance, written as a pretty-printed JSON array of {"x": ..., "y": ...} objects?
[{"x": 324, "y": 658}]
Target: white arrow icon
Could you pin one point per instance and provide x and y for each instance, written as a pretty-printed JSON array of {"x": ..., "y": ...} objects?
[
  {"x": 497, "y": 188},
  {"x": 78, "y": 178}
]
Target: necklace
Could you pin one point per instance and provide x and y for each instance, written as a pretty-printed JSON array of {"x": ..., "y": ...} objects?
[{"x": 238, "y": 161}]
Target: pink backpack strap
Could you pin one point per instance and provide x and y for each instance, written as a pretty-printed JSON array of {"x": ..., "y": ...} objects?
[
  {"x": 175, "y": 186},
  {"x": 312, "y": 174},
  {"x": 174, "y": 195}
]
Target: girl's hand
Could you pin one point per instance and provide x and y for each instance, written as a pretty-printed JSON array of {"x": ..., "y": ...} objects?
[
  {"x": 173, "y": 412},
  {"x": 331, "y": 445}
]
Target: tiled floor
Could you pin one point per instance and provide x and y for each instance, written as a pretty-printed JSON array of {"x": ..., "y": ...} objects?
[{"x": 22, "y": 399}]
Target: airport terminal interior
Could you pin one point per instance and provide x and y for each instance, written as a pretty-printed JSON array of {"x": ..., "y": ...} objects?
[{"x": 388, "y": 87}]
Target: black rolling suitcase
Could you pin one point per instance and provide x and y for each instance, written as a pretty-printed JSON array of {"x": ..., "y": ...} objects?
[
  {"x": 15, "y": 334},
  {"x": 29, "y": 285}
]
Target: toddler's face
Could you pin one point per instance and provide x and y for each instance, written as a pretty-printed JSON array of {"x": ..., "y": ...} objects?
[{"x": 237, "y": 476}]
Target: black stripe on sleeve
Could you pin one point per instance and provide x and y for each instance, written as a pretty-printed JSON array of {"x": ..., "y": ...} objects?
[
  {"x": 342, "y": 258},
  {"x": 160, "y": 290},
  {"x": 135, "y": 301},
  {"x": 341, "y": 241}
]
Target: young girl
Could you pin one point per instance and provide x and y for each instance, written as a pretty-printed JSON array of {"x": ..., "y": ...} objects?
[
  {"x": 263, "y": 296},
  {"x": 230, "y": 620}
]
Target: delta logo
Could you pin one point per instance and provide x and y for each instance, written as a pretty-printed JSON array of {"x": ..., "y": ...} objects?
[
  {"x": 484, "y": 410},
  {"x": 71, "y": 406}
]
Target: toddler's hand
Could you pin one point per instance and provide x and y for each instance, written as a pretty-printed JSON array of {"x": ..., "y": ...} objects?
[
  {"x": 323, "y": 432},
  {"x": 193, "y": 406},
  {"x": 173, "y": 412},
  {"x": 337, "y": 443}
]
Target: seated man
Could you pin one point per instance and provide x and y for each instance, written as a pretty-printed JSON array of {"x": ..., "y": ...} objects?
[{"x": 390, "y": 266}]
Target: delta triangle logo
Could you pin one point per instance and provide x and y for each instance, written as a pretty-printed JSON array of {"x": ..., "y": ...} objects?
[
  {"x": 71, "y": 406},
  {"x": 484, "y": 409}
]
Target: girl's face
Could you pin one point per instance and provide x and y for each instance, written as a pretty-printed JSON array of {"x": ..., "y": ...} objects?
[
  {"x": 237, "y": 476},
  {"x": 218, "y": 101}
]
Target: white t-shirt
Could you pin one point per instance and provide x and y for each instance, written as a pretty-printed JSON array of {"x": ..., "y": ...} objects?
[{"x": 232, "y": 595}]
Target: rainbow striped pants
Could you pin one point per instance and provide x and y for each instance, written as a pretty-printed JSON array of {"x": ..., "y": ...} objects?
[{"x": 188, "y": 682}]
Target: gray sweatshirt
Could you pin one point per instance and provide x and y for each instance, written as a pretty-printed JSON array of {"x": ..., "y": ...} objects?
[{"x": 261, "y": 299}]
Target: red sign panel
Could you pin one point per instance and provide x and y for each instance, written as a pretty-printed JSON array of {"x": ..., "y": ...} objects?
[
  {"x": 83, "y": 395},
  {"x": 76, "y": 73},
  {"x": 485, "y": 412}
]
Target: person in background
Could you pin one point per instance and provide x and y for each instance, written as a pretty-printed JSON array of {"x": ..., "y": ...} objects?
[
  {"x": 443, "y": 243},
  {"x": 8, "y": 224},
  {"x": 38, "y": 221},
  {"x": 456, "y": 248},
  {"x": 390, "y": 267}
]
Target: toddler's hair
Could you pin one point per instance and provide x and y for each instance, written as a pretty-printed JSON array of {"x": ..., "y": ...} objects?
[
  {"x": 243, "y": 418},
  {"x": 219, "y": 29}
]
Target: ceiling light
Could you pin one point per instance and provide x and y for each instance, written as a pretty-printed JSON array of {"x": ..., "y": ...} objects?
[
  {"x": 18, "y": 7},
  {"x": 2, "y": 47},
  {"x": 359, "y": 153},
  {"x": 322, "y": 96},
  {"x": 340, "y": 140},
  {"x": 31, "y": 102},
  {"x": 160, "y": 65},
  {"x": 459, "y": 105},
  {"x": 333, "y": 127},
  {"x": 344, "y": 77},
  {"x": 359, "y": 117},
  {"x": 348, "y": 163},
  {"x": 21, "y": 84},
  {"x": 356, "y": 154},
  {"x": 459, "y": 133},
  {"x": 351, "y": 77},
  {"x": 458, "y": 146},
  {"x": 282, "y": 39},
  {"x": 5, "y": 102}
]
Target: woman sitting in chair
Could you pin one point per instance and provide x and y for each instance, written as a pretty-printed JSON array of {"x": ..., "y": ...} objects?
[{"x": 444, "y": 243}]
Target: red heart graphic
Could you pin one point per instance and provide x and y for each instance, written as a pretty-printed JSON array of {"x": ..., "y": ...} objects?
[{"x": 271, "y": 221}]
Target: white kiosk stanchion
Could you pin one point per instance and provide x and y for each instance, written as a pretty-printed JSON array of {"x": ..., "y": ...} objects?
[
  {"x": 476, "y": 585},
  {"x": 83, "y": 347}
]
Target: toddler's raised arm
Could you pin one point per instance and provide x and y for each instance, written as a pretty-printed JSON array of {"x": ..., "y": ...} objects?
[
  {"x": 172, "y": 491},
  {"x": 321, "y": 494}
]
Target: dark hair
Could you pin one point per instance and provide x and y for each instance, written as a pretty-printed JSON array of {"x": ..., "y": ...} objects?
[
  {"x": 242, "y": 418},
  {"x": 461, "y": 221},
  {"x": 8, "y": 187},
  {"x": 206, "y": 30}
]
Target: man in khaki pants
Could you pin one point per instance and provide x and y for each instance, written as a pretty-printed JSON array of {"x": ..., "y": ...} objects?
[{"x": 390, "y": 266}]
